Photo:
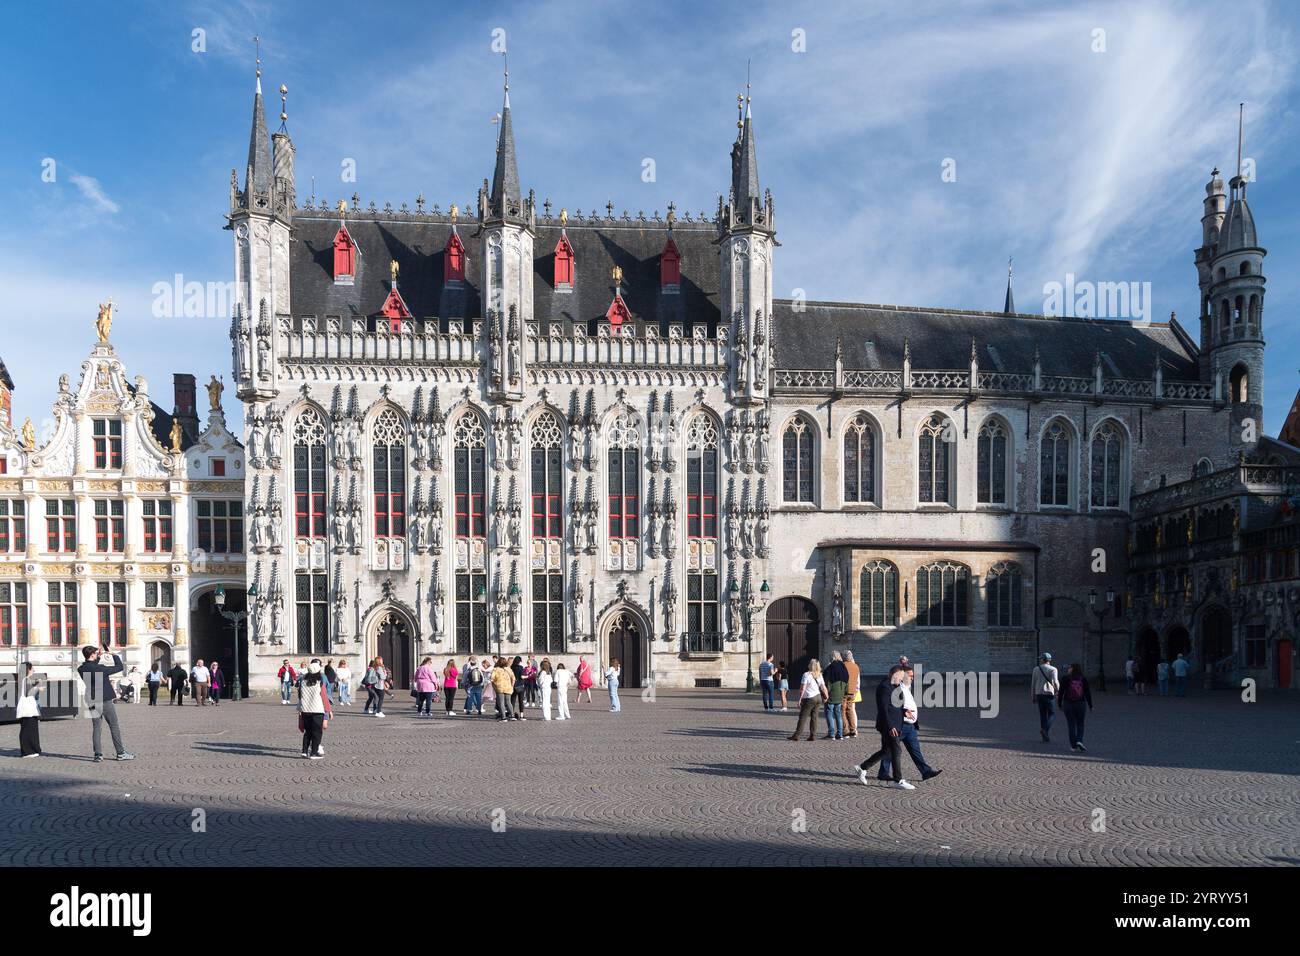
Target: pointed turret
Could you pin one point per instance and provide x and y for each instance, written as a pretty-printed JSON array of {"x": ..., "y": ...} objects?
[
  {"x": 748, "y": 205},
  {"x": 260, "y": 170},
  {"x": 1009, "y": 307},
  {"x": 505, "y": 201}
]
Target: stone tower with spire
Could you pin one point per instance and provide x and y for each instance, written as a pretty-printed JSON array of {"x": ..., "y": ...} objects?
[
  {"x": 748, "y": 236},
  {"x": 1230, "y": 271},
  {"x": 507, "y": 226},
  {"x": 261, "y": 217}
]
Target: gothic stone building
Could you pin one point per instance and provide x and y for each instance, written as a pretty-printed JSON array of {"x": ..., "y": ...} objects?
[
  {"x": 107, "y": 533},
  {"x": 525, "y": 429}
]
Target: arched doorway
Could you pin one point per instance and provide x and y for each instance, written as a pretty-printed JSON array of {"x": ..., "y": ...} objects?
[
  {"x": 1148, "y": 654},
  {"x": 395, "y": 644},
  {"x": 792, "y": 634},
  {"x": 212, "y": 637},
  {"x": 1180, "y": 642},
  {"x": 626, "y": 641},
  {"x": 160, "y": 653},
  {"x": 1216, "y": 635}
]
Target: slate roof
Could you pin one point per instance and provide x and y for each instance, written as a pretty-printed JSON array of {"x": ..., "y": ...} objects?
[
  {"x": 872, "y": 337},
  {"x": 417, "y": 243},
  {"x": 4, "y": 376}
]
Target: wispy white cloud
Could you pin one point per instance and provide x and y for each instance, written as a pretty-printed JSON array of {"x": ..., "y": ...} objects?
[{"x": 93, "y": 193}]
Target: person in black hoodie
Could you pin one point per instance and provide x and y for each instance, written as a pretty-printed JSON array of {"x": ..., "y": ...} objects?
[
  {"x": 178, "y": 676},
  {"x": 889, "y": 722},
  {"x": 99, "y": 700},
  {"x": 1075, "y": 700}
]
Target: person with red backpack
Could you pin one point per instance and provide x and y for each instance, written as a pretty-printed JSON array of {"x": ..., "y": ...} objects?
[{"x": 1075, "y": 699}]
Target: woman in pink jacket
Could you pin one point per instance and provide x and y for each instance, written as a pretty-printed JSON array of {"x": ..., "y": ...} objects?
[
  {"x": 449, "y": 684},
  {"x": 425, "y": 684}
]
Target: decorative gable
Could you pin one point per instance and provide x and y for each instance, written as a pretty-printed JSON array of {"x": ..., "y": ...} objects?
[{"x": 618, "y": 312}]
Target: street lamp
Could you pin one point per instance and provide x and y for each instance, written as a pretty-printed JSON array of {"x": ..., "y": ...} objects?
[
  {"x": 1101, "y": 630},
  {"x": 234, "y": 617},
  {"x": 751, "y": 606}
]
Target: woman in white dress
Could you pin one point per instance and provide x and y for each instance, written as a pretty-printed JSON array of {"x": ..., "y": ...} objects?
[
  {"x": 562, "y": 678},
  {"x": 544, "y": 678}
]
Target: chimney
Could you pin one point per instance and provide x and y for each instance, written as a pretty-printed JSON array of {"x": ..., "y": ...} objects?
[{"x": 186, "y": 412}]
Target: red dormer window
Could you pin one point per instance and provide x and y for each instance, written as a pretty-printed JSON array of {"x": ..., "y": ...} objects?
[
  {"x": 670, "y": 267},
  {"x": 618, "y": 313},
  {"x": 395, "y": 310},
  {"x": 453, "y": 260},
  {"x": 564, "y": 264},
  {"x": 345, "y": 256}
]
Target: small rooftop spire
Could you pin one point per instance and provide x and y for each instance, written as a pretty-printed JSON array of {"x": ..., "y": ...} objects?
[
  {"x": 284, "y": 108},
  {"x": 259, "y": 143},
  {"x": 504, "y": 199},
  {"x": 1009, "y": 307}
]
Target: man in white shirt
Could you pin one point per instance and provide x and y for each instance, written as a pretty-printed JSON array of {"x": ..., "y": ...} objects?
[
  {"x": 200, "y": 678},
  {"x": 908, "y": 736},
  {"x": 1044, "y": 685},
  {"x": 1180, "y": 669}
]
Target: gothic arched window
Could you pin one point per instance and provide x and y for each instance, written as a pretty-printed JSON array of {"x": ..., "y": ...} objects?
[
  {"x": 702, "y": 617},
  {"x": 942, "y": 595},
  {"x": 991, "y": 457},
  {"x": 1003, "y": 586},
  {"x": 309, "y": 474},
  {"x": 469, "y": 461},
  {"x": 545, "y": 456},
  {"x": 1054, "y": 466},
  {"x": 797, "y": 461},
  {"x": 878, "y": 595},
  {"x": 388, "y": 443},
  {"x": 624, "y": 490},
  {"x": 1107, "y": 466},
  {"x": 860, "y": 461},
  {"x": 936, "y": 447}
]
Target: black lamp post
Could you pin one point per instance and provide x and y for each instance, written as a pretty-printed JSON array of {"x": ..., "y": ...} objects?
[
  {"x": 1101, "y": 630},
  {"x": 750, "y": 607},
  {"x": 235, "y": 618}
]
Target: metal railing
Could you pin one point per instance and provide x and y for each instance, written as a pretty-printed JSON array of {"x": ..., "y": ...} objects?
[{"x": 702, "y": 642}]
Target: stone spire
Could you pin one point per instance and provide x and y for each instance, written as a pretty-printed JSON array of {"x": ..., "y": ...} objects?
[
  {"x": 1009, "y": 307},
  {"x": 744, "y": 160},
  {"x": 259, "y": 172},
  {"x": 505, "y": 201}
]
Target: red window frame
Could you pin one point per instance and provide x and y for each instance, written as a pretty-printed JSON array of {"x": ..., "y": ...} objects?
[
  {"x": 670, "y": 265},
  {"x": 62, "y": 613},
  {"x": 111, "y": 613},
  {"x": 157, "y": 525},
  {"x": 390, "y": 505},
  {"x": 61, "y": 526},
  {"x": 453, "y": 260},
  {"x": 110, "y": 526},
  {"x": 624, "y": 508},
  {"x": 563, "y": 262},
  {"x": 13, "y": 526},
  {"x": 470, "y": 518},
  {"x": 345, "y": 254},
  {"x": 107, "y": 433},
  {"x": 701, "y": 508}
]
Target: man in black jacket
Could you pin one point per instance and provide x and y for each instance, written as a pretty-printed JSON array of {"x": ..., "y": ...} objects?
[
  {"x": 889, "y": 722},
  {"x": 99, "y": 700},
  {"x": 177, "y": 676}
]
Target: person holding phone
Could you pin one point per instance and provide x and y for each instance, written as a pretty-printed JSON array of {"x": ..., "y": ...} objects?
[{"x": 97, "y": 675}]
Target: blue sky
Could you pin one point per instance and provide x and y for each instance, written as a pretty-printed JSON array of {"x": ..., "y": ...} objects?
[{"x": 1073, "y": 161}]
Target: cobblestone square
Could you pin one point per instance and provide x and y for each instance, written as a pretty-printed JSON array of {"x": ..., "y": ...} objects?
[{"x": 690, "y": 778}]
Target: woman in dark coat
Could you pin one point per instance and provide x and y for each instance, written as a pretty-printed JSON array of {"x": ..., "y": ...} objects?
[{"x": 29, "y": 713}]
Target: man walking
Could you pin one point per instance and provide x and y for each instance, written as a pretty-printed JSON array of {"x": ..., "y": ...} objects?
[
  {"x": 852, "y": 695},
  {"x": 288, "y": 677},
  {"x": 1180, "y": 675},
  {"x": 889, "y": 722},
  {"x": 99, "y": 700},
  {"x": 908, "y": 736},
  {"x": 1044, "y": 685},
  {"x": 176, "y": 677},
  {"x": 837, "y": 683},
  {"x": 199, "y": 677},
  {"x": 765, "y": 681}
]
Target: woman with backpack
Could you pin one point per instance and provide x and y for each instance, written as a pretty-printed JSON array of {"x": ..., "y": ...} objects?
[
  {"x": 450, "y": 681},
  {"x": 517, "y": 695},
  {"x": 1075, "y": 699},
  {"x": 314, "y": 711},
  {"x": 376, "y": 683},
  {"x": 473, "y": 678}
]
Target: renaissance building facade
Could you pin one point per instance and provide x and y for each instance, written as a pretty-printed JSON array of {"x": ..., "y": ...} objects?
[
  {"x": 106, "y": 534},
  {"x": 519, "y": 429}
]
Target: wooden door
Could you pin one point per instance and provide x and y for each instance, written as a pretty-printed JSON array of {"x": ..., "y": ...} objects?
[
  {"x": 394, "y": 646},
  {"x": 625, "y": 643},
  {"x": 792, "y": 634}
]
